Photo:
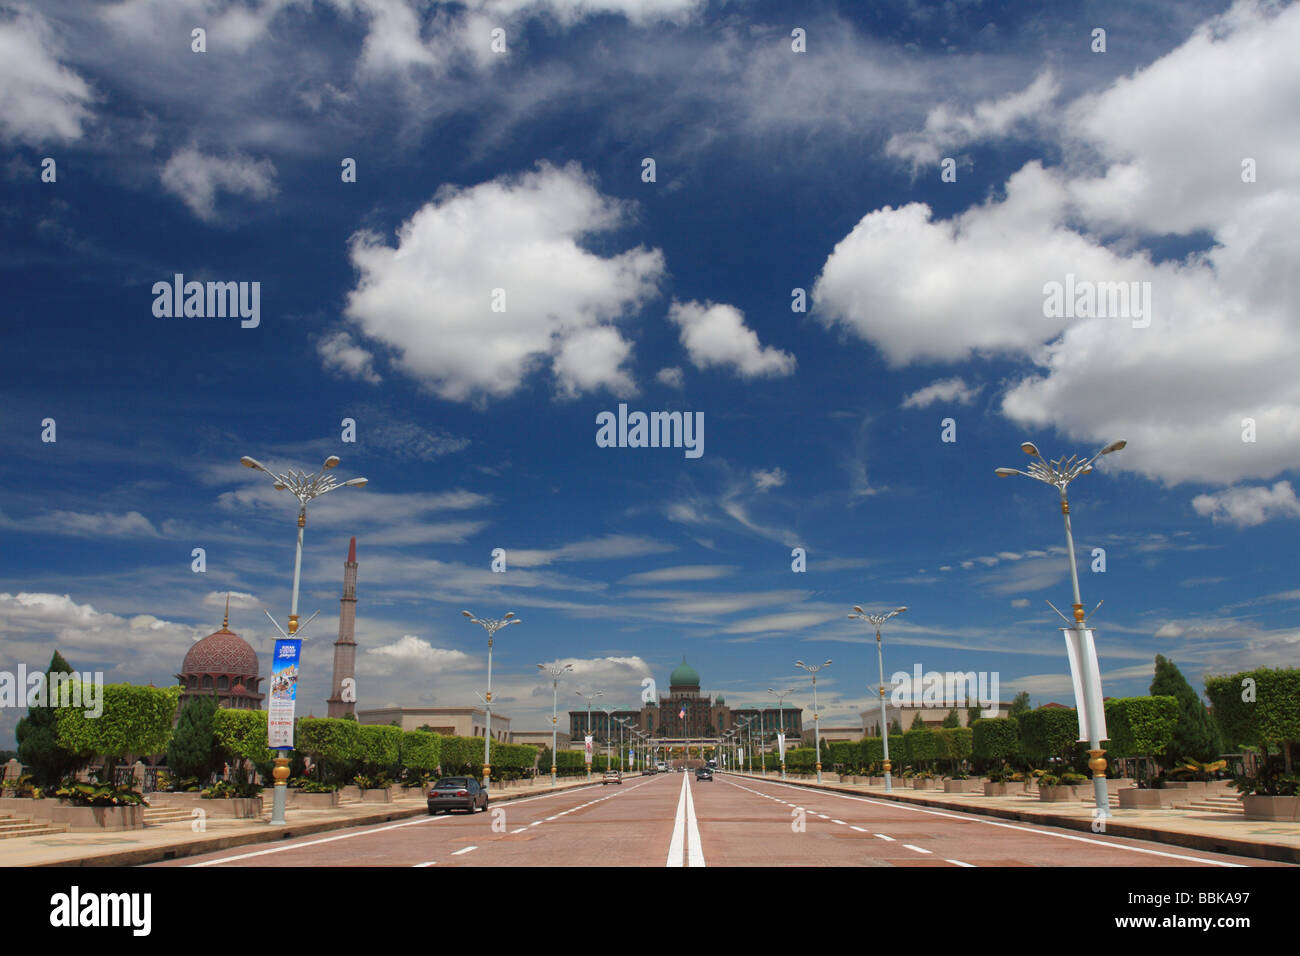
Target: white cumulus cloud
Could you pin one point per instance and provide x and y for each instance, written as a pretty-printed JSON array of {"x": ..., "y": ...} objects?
[
  {"x": 716, "y": 334},
  {"x": 196, "y": 179}
]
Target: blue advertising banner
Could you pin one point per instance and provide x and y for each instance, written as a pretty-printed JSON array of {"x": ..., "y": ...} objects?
[{"x": 284, "y": 690}]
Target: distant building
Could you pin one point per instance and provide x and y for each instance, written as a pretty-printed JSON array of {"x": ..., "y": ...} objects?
[
  {"x": 450, "y": 721},
  {"x": 541, "y": 739},
  {"x": 687, "y": 713},
  {"x": 839, "y": 734},
  {"x": 224, "y": 664},
  {"x": 930, "y": 716}
]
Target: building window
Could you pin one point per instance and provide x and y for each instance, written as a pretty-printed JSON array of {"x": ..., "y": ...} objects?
[
  {"x": 223, "y": 683},
  {"x": 207, "y": 682}
]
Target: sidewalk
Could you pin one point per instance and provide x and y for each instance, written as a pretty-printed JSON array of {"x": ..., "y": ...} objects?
[
  {"x": 1188, "y": 828},
  {"x": 169, "y": 841}
]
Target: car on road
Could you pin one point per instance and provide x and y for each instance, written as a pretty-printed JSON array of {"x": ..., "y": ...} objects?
[
  {"x": 457, "y": 793},
  {"x": 612, "y": 776},
  {"x": 703, "y": 773}
]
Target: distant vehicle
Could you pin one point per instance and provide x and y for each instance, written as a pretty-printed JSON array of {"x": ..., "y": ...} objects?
[
  {"x": 457, "y": 793},
  {"x": 612, "y": 776},
  {"x": 703, "y": 773},
  {"x": 661, "y": 767},
  {"x": 712, "y": 764}
]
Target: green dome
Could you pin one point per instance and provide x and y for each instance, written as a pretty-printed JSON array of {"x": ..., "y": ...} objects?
[{"x": 684, "y": 675}]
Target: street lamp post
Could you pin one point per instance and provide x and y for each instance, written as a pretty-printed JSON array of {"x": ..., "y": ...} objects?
[
  {"x": 875, "y": 620},
  {"x": 555, "y": 671},
  {"x": 589, "y": 698},
  {"x": 621, "y": 722},
  {"x": 780, "y": 706},
  {"x": 304, "y": 487},
  {"x": 491, "y": 626},
  {"x": 817, "y": 725},
  {"x": 1059, "y": 474}
]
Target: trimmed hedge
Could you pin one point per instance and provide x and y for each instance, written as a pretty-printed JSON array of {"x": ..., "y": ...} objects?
[
  {"x": 1141, "y": 726},
  {"x": 380, "y": 748},
  {"x": 1271, "y": 718},
  {"x": 421, "y": 751},
  {"x": 1051, "y": 732},
  {"x": 995, "y": 739},
  {"x": 955, "y": 744},
  {"x": 334, "y": 745},
  {"x": 135, "y": 720},
  {"x": 923, "y": 748}
]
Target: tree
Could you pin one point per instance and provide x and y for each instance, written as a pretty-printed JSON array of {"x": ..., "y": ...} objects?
[
  {"x": 1195, "y": 735},
  {"x": 973, "y": 714},
  {"x": 1141, "y": 727},
  {"x": 953, "y": 719},
  {"x": 917, "y": 722},
  {"x": 1020, "y": 705},
  {"x": 242, "y": 736},
  {"x": 896, "y": 728},
  {"x": 135, "y": 720},
  {"x": 38, "y": 737},
  {"x": 193, "y": 750}
]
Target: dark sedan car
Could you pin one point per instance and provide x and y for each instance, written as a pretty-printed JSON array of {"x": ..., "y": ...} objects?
[
  {"x": 703, "y": 773},
  {"x": 457, "y": 793}
]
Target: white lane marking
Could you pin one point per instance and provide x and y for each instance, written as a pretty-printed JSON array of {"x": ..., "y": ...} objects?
[
  {"x": 883, "y": 837},
  {"x": 859, "y": 829},
  {"x": 960, "y": 863},
  {"x": 840, "y": 822},
  {"x": 975, "y": 818},
  {"x": 366, "y": 832},
  {"x": 430, "y": 863},
  {"x": 537, "y": 823},
  {"x": 678, "y": 842},
  {"x": 464, "y": 850},
  {"x": 823, "y": 816},
  {"x": 520, "y": 830},
  {"x": 917, "y": 848},
  {"x": 549, "y": 819},
  {"x": 694, "y": 850}
]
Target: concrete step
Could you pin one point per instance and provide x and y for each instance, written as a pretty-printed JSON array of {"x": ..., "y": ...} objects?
[
  {"x": 12, "y": 828},
  {"x": 156, "y": 816}
]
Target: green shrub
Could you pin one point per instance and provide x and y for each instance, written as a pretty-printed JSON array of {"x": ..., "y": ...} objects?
[
  {"x": 98, "y": 795},
  {"x": 1269, "y": 717},
  {"x": 995, "y": 740},
  {"x": 1052, "y": 732},
  {"x": 135, "y": 720},
  {"x": 334, "y": 745},
  {"x": 1141, "y": 727},
  {"x": 922, "y": 748},
  {"x": 381, "y": 749},
  {"x": 421, "y": 751}
]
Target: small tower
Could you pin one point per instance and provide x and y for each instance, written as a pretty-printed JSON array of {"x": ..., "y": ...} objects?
[{"x": 345, "y": 648}]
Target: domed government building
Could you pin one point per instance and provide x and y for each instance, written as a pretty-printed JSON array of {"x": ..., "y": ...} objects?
[
  {"x": 706, "y": 717},
  {"x": 225, "y": 664}
]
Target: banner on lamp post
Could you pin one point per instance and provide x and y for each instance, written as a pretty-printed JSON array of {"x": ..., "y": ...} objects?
[
  {"x": 587, "y": 749},
  {"x": 284, "y": 691},
  {"x": 780, "y": 744},
  {"x": 1080, "y": 648}
]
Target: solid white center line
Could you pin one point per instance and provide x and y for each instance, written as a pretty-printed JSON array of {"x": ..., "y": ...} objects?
[{"x": 464, "y": 850}]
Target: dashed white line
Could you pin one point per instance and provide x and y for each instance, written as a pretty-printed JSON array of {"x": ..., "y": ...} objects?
[
  {"x": 883, "y": 837},
  {"x": 859, "y": 829},
  {"x": 960, "y": 863},
  {"x": 840, "y": 822},
  {"x": 430, "y": 863},
  {"x": 917, "y": 848},
  {"x": 464, "y": 850}
]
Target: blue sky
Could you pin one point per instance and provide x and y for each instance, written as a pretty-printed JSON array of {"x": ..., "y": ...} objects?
[{"x": 775, "y": 170}]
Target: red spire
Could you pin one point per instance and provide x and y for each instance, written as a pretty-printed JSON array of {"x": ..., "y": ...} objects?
[{"x": 352, "y": 550}]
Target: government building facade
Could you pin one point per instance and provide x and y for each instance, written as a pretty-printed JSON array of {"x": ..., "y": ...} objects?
[{"x": 705, "y": 717}]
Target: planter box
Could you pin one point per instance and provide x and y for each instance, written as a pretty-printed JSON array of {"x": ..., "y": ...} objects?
[
  {"x": 992, "y": 789},
  {"x": 312, "y": 801},
  {"x": 1062, "y": 794},
  {"x": 919, "y": 783},
  {"x": 352, "y": 791},
  {"x": 1135, "y": 799},
  {"x": 167, "y": 798},
  {"x": 1116, "y": 784},
  {"x": 1272, "y": 808},
  {"x": 91, "y": 819},
  {"x": 237, "y": 808},
  {"x": 875, "y": 781},
  {"x": 381, "y": 795},
  {"x": 26, "y": 806},
  {"x": 968, "y": 785}
]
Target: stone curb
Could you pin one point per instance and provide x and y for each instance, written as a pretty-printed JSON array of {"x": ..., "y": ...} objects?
[
  {"x": 139, "y": 856},
  {"x": 1209, "y": 843}
]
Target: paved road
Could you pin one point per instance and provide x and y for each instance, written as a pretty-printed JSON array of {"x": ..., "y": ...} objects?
[{"x": 673, "y": 820}]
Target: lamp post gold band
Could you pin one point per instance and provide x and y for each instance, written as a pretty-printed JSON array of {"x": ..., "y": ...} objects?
[{"x": 1097, "y": 763}]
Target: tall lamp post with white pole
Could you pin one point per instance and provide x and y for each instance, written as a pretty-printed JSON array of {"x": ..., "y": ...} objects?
[
  {"x": 780, "y": 706},
  {"x": 304, "y": 487},
  {"x": 555, "y": 671},
  {"x": 491, "y": 626},
  {"x": 817, "y": 722},
  {"x": 589, "y": 698},
  {"x": 1059, "y": 474},
  {"x": 875, "y": 620}
]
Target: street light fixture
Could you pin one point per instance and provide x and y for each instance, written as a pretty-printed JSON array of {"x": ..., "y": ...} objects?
[
  {"x": 780, "y": 706},
  {"x": 304, "y": 487},
  {"x": 491, "y": 626},
  {"x": 589, "y": 698},
  {"x": 1059, "y": 474},
  {"x": 817, "y": 726},
  {"x": 875, "y": 620},
  {"x": 555, "y": 671}
]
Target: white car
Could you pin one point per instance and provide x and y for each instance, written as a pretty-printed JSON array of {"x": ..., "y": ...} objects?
[{"x": 612, "y": 776}]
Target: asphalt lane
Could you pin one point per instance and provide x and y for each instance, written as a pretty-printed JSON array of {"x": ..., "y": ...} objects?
[
  {"x": 674, "y": 820},
  {"x": 767, "y": 823}
]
